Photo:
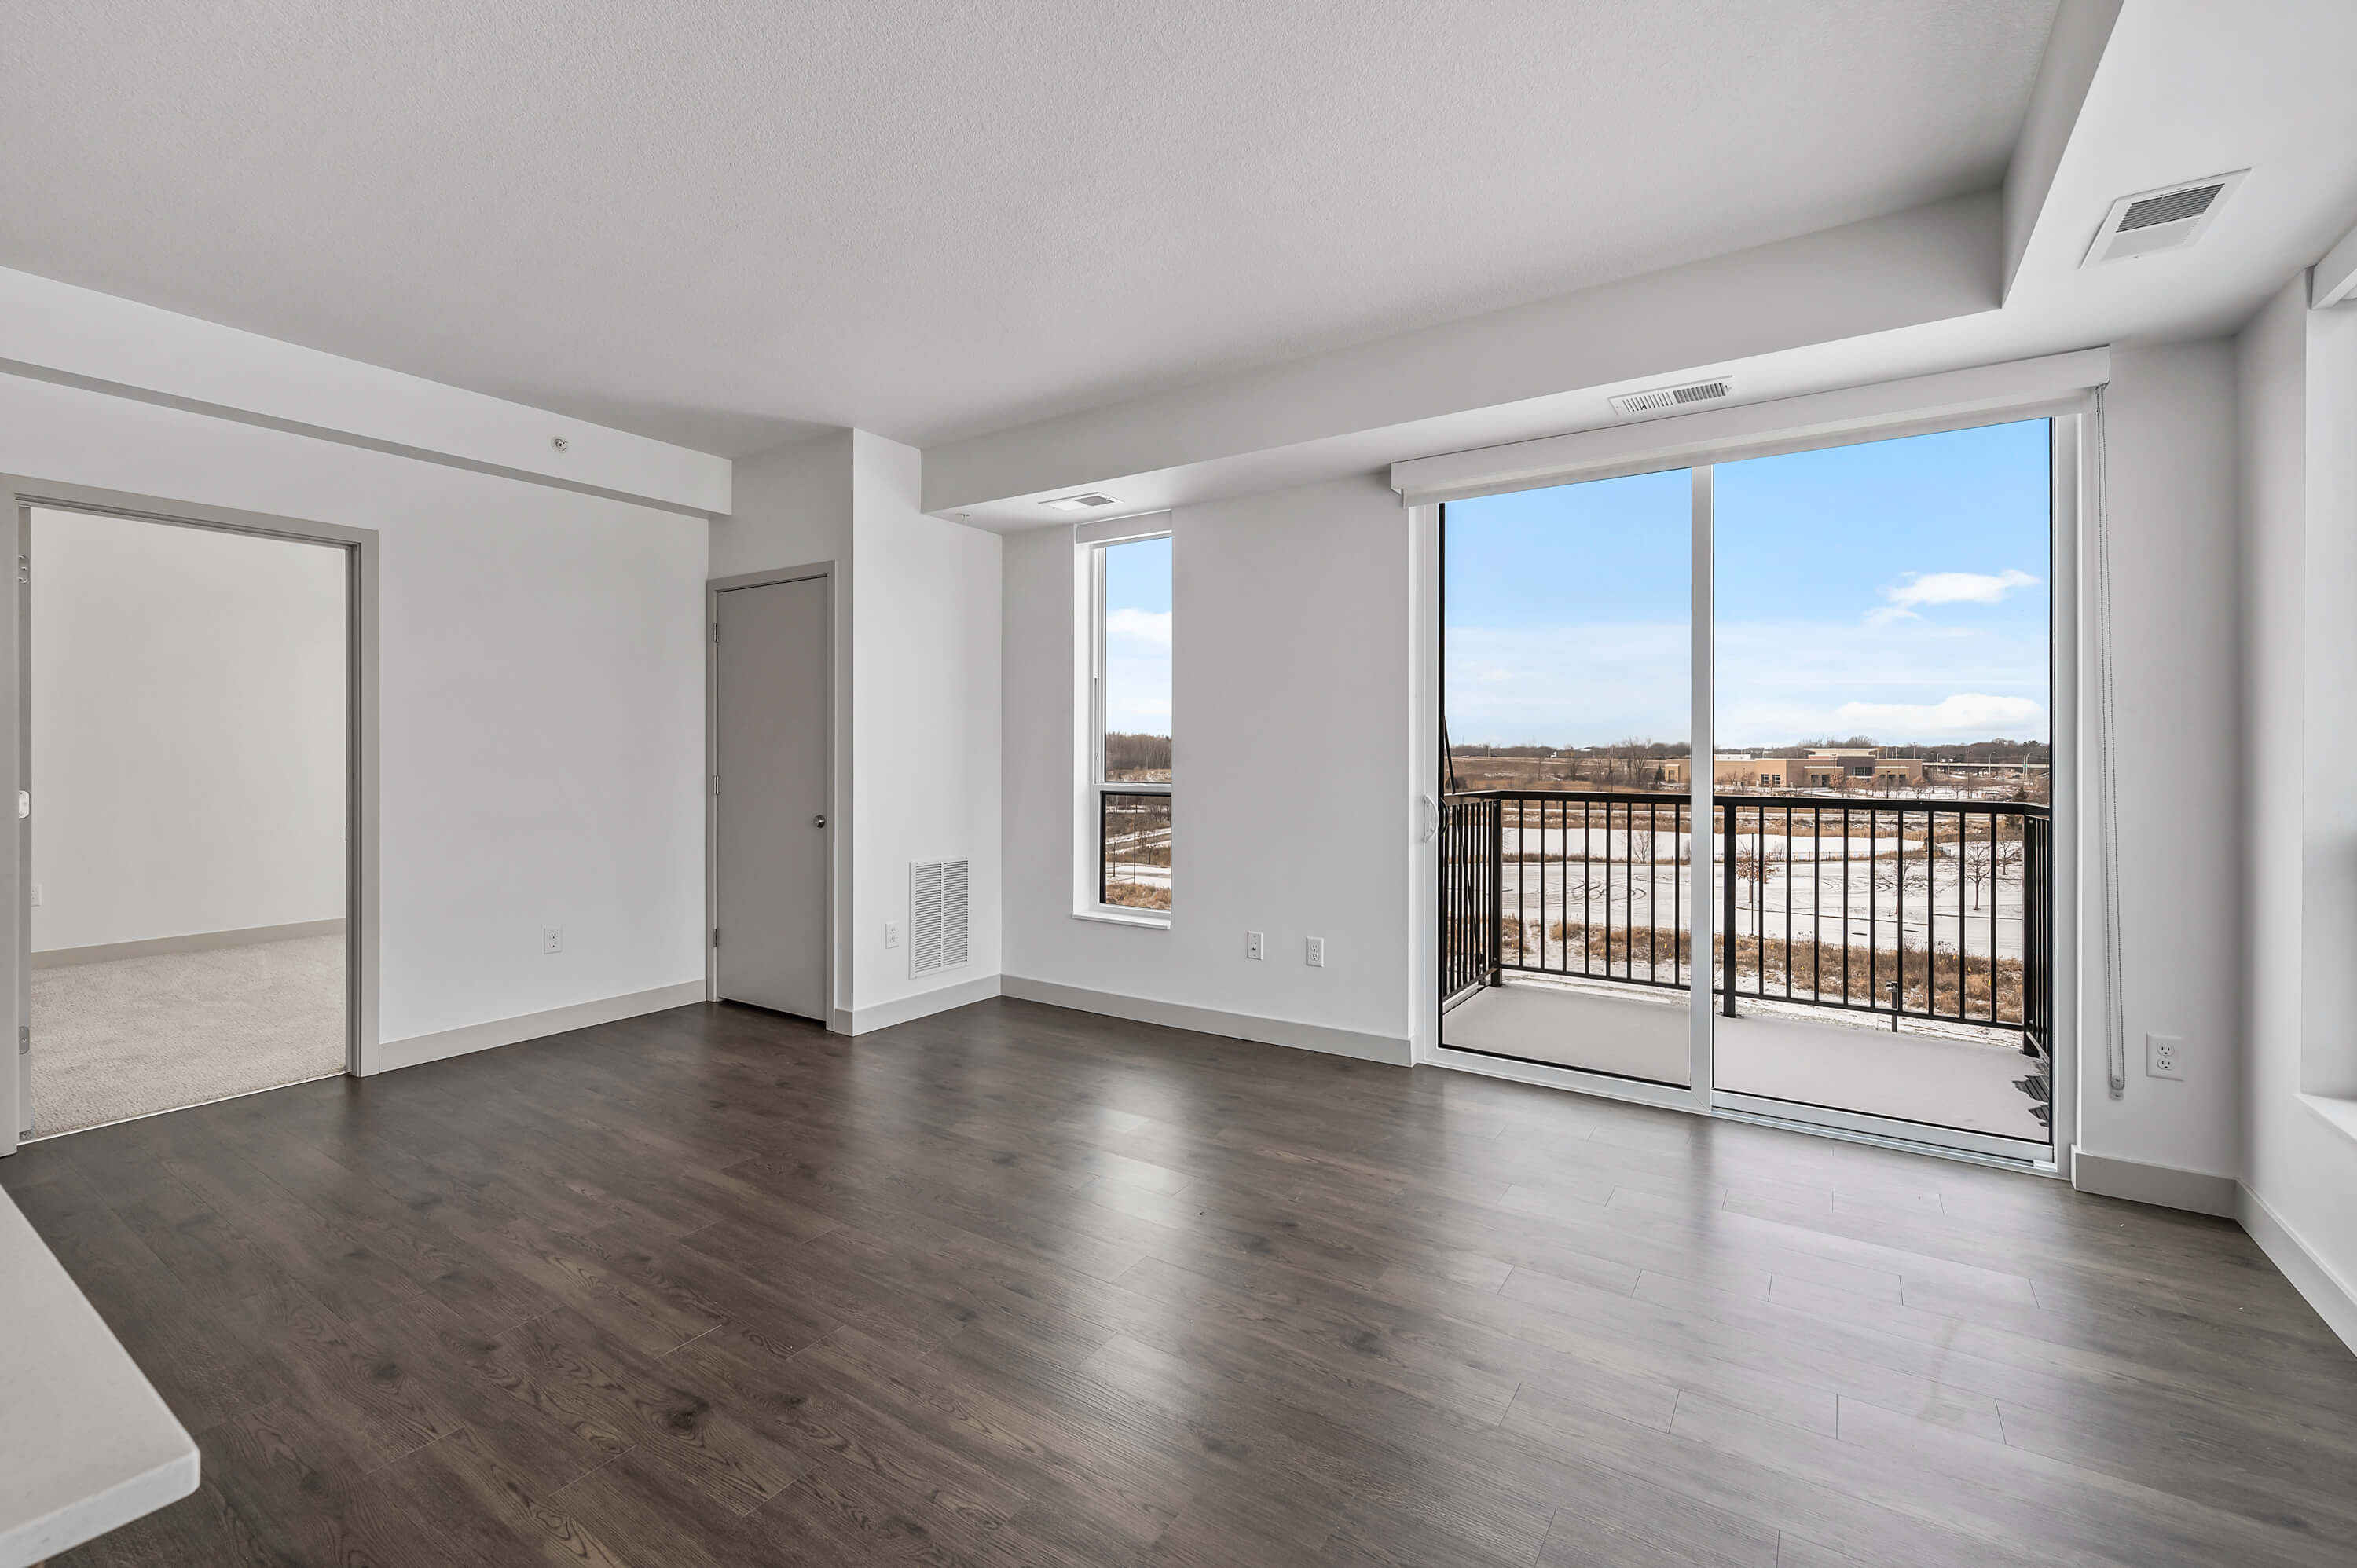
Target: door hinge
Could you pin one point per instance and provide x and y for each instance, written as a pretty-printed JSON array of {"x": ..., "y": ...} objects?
[
  {"x": 23, "y": 568},
  {"x": 716, "y": 631},
  {"x": 23, "y": 1040},
  {"x": 716, "y": 783},
  {"x": 716, "y": 936}
]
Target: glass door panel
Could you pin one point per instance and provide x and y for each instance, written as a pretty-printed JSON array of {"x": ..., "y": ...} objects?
[
  {"x": 1881, "y": 719},
  {"x": 1566, "y": 830}
]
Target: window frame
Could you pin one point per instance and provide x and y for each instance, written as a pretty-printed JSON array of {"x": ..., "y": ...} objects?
[{"x": 1095, "y": 540}]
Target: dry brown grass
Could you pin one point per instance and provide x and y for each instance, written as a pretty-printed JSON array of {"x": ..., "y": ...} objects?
[
  {"x": 1138, "y": 895},
  {"x": 1940, "y": 983}
]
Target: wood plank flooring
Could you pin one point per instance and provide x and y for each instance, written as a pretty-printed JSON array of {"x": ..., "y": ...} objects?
[{"x": 1020, "y": 1285}]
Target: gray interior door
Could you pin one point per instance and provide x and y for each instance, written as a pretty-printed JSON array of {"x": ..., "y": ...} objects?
[{"x": 771, "y": 739}]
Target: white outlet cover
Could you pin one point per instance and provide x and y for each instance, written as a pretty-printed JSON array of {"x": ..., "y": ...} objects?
[
  {"x": 1251, "y": 945},
  {"x": 1313, "y": 951},
  {"x": 2164, "y": 1056},
  {"x": 891, "y": 933},
  {"x": 552, "y": 939}
]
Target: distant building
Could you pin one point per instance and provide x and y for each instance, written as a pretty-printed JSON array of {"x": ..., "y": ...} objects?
[
  {"x": 1828, "y": 765},
  {"x": 1738, "y": 769},
  {"x": 1824, "y": 768}
]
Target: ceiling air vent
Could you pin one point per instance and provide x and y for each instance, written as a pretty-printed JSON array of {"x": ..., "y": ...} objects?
[
  {"x": 2162, "y": 219},
  {"x": 937, "y": 914},
  {"x": 1673, "y": 397},
  {"x": 1087, "y": 501}
]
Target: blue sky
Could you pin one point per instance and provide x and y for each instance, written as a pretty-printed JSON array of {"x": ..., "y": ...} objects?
[
  {"x": 1137, "y": 636},
  {"x": 1896, "y": 589}
]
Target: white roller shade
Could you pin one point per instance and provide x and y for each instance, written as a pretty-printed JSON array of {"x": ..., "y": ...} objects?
[{"x": 2057, "y": 383}]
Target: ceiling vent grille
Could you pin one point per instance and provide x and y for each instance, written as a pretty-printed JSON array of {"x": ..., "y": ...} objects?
[
  {"x": 1086, "y": 502},
  {"x": 1673, "y": 397},
  {"x": 937, "y": 914},
  {"x": 2163, "y": 219}
]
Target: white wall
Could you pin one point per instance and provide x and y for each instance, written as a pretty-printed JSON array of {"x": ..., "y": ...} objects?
[
  {"x": 2169, "y": 427},
  {"x": 926, "y": 714},
  {"x": 188, "y": 735},
  {"x": 2299, "y": 387},
  {"x": 917, "y": 697},
  {"x": 542, "y": 677},
  {"x": 1290, "y": 800}
]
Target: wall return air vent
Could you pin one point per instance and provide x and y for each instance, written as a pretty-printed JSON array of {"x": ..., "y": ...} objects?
[
  {"x": 2165, "y": 220},
  {"x": 937, "y": 914},
  {"x": 1673, "y": 397}
]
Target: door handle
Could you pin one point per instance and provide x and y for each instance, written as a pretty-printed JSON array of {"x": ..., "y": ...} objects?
[{"x": 819, "y": 821}]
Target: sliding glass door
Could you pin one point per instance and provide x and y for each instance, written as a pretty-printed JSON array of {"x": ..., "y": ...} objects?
[{"x": 1870, "y": 839}]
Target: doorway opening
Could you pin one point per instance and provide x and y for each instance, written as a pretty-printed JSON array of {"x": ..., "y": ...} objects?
[
  {"x": 186, "y": 746},
  {"x": 1844, "y": 916}
]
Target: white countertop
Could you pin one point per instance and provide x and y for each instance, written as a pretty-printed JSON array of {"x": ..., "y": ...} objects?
[{"x": 86, "y": 1445}]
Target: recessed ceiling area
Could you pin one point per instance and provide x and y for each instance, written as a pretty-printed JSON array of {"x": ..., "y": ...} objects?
[{"x": 727, "y": 225}]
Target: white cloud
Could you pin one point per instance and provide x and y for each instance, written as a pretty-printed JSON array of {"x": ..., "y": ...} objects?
[
  {"x": 1143, "y": 626},
  {"x": 1972, "y": 713},
  {"x": 1946, "y": 588}
]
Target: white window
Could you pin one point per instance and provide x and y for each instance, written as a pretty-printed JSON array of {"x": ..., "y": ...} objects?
[{"x": 1129, "y": 730}]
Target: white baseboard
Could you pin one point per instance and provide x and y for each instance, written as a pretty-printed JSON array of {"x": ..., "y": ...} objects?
[
  {"x": 2163, "y": 1186},
  {"x": 906, "y": 1009},
  {"x": 194, "y": 941},
  {"x": 2334, "y": 1298},
  {"x": 1321, "y": 1037},
  {"x": 418, "y": 1050}
]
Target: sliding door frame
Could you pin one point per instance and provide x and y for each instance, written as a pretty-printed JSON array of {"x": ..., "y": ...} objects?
[
  {"x": 2070, "y": 422},
  {"x": 361, "y": 942}
]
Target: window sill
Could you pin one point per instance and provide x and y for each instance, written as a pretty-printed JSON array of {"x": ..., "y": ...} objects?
[
  {"x": 1110, "y": 916},
  {"x": 2338, "y": 1110}
]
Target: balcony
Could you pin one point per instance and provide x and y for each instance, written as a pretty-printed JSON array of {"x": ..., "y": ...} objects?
[{"x": 1890, "y": 959}]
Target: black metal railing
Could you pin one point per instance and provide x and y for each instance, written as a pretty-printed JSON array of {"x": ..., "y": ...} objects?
[
  {"x": 1134, "y": 848},
  {"x": 1469, "y": 890},
  {"x": 1933, "y": 910}
]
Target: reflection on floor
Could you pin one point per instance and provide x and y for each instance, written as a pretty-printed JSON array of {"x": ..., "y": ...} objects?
[
  {"x": 133, "y": 1035},
  {"x": 1907, "y": 1077}
]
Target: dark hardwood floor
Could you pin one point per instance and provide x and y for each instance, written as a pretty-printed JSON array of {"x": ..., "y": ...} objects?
[{"x": 1021, "y": 1285}]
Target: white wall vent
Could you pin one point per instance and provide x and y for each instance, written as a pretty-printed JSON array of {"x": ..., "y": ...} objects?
[
  {"x": 2162, "y": 219},
  {"x": 937, "y": 914},
  {"x": 1673, "y": 397},
  {"x": 1088, "y": 500}
]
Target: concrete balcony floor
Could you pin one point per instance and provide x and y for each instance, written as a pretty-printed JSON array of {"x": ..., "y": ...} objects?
[{"x": 1841, "y": 1063}]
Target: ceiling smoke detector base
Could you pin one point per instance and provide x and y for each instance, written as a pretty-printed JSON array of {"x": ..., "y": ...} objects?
[{"x": 2168, "y": 218}]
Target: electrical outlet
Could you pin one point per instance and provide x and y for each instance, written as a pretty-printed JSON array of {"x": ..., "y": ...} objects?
[
  {"x": 891, "y": 933},
  {"x": 36, "y": 894},
  {"x": 2164, "y": 1056},
  {"x": 1251, "y": 946},
  {"x": 552, "y": 939},
  {"x": 1313, "y": 951}
]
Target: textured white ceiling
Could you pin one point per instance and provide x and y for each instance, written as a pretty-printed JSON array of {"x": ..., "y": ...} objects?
[{"x": 721, "y": 224}]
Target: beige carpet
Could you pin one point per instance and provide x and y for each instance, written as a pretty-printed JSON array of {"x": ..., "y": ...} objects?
[{"x": 134, "y": 1036}]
